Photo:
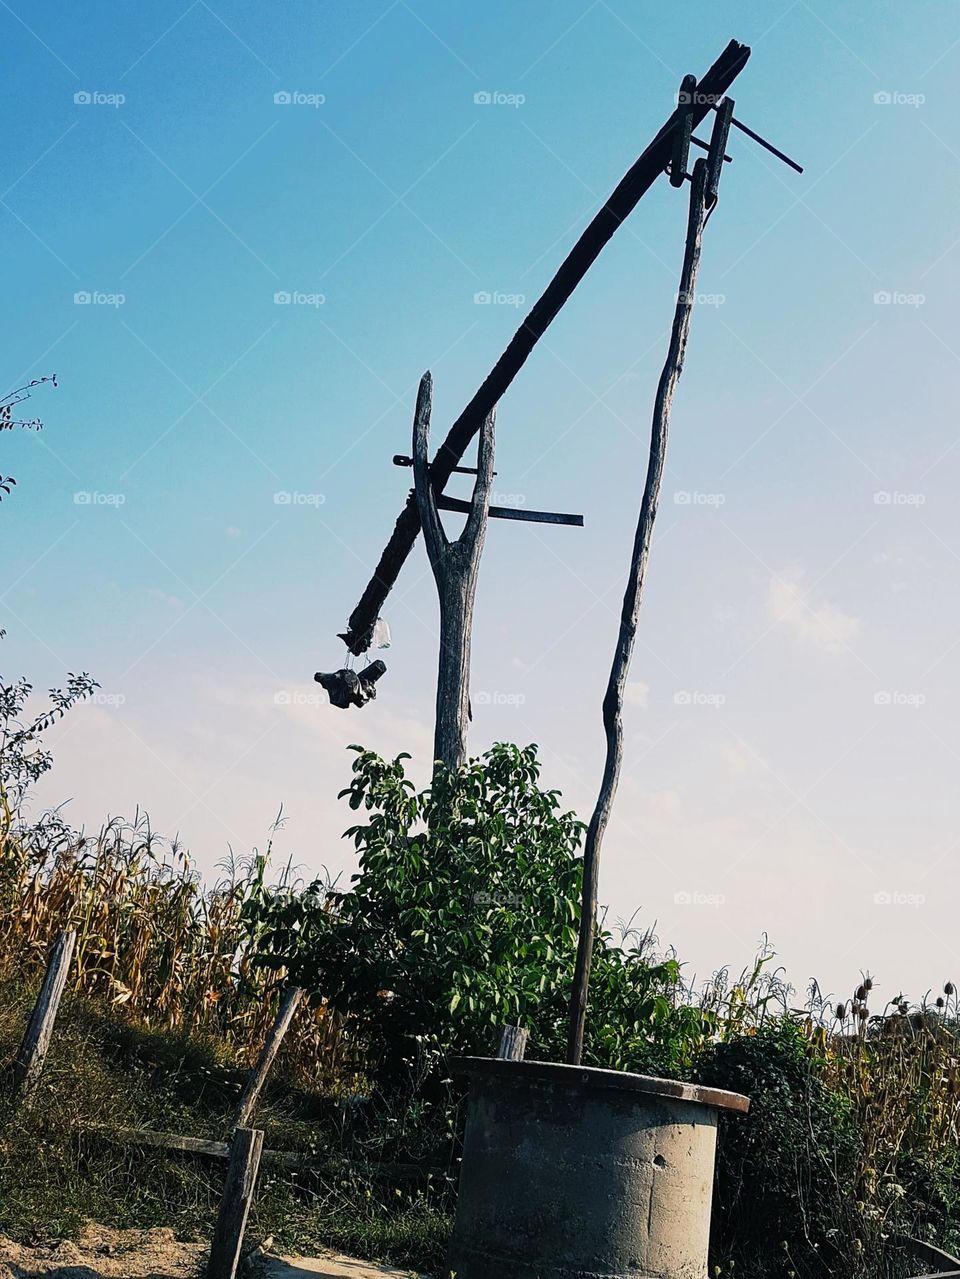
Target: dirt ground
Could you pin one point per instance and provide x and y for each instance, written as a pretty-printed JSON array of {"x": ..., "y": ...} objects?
[
  {"x": 100, "y": 1253},
  {"x": 332, "y": 1267}
]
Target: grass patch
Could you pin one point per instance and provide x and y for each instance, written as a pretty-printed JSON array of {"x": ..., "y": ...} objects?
[{"x": 56, "y": 1174}]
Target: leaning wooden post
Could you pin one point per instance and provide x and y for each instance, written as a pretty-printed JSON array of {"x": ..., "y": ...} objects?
[
  {"x": 258, "y": 1076},
  {"x": 513, "y": 1043},
  {"x": 613, "y": 700},
  {"x": 33, "y": 1050},
  {"x": 238, "y": 1189},
  {"x": 455, "y": 567},
  {"x": 623, "y": 200}
]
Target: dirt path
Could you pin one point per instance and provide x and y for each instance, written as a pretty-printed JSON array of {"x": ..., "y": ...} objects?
[
  {"x": 100, "y": 1253},
  {"x": 332, "y": 1267}
]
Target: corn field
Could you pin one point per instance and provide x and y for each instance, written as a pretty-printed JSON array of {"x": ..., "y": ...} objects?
[{"x": 156, "y": 944}]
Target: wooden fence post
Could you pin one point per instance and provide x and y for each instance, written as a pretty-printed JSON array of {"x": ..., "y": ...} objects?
[
  {"x": 258, "y": 1076},
  {"x": 238, "y": 1191},
  {"x": 33, "y": 1049},
  {"x": 513, "y": 1043}
]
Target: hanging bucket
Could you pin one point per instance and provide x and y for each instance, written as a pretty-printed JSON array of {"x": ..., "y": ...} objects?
[{"x": 575, "y": 1173}]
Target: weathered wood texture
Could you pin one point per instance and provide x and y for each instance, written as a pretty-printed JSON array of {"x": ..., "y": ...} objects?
[
  {"x": 613, "y": 699},
  {"x": 238, "y": 1191},
  {"x": 202, "y": 1146},
  {"x": 455, "y": 567},
  {"x": 36, "y": 1041},
  {"x": 718, "y": 146},
  {"x": 683, "y": 132},
  {"x": 635, "y": 183},
  {"x": 302, "y": 1160},
  {"x": 521, "y": 513},
  {"x": 513, "y": 1043},
  {"x": 268, "y": 1053}
]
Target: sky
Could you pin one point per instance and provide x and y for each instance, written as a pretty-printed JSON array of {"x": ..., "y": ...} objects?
[{"x": 240, "y": 233}]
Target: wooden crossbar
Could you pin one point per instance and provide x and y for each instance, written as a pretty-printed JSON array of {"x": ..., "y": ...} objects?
[{"x": 510, "y": 512}]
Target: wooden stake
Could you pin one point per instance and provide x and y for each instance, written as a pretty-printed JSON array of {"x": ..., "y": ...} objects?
[
  {"x": 238, "y": 1191},
  {"x": 455, "y": 567},
  {"x": 258, "y": 1076},
  {"x": 623, "y": 200},
  {"x": 36, "y": 1042},
  {"x": 613, "y": 700},
  {"x": 513, "y": 1043}
]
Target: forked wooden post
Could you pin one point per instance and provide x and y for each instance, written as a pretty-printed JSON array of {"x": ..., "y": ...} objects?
[
  {"x": 238, "y": 1189},
  {"x": 36, "y": 1042},
  {"x": 258, "y": 1076},
  {"x": 513, "y": 1043},
  {"x": 455, "y": 567}
]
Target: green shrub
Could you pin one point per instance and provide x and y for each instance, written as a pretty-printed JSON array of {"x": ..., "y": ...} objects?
[{"x": 463, "y": 917}]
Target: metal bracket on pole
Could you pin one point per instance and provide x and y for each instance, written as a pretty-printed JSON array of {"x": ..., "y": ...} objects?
[
  {"x": 764, "y": 143},
  {"x": 401, "y": 459}
]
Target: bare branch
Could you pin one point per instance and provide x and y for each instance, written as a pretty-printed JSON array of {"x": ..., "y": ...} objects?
[{"x": 475, "y": 527}]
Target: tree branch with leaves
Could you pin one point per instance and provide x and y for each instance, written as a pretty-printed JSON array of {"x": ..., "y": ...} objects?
[{"x": 9, "y": 422}]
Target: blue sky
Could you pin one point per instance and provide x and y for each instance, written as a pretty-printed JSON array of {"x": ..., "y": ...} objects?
[{"x": 792, "y": 745}]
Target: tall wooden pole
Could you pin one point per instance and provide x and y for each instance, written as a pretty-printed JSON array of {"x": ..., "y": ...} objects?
[
  {"x": 634, "y": 184},
  {"x": 613, "y": 700},
  {"x": 455, "y": 567}
]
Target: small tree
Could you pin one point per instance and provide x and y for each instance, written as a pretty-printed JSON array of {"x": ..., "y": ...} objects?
[
  {"x": 463, "y": 917},
  {"x": 23, "y": 757}
]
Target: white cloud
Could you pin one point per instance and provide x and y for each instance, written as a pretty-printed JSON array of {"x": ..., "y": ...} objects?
[
  {"x": 815, "y": 621},
  {"x": 666, "y": 803},
  {"x": 742, "y": 759},
  {"x": 637, "y": 694}
]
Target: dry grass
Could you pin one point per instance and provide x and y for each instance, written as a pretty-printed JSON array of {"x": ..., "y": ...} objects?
[
  {"x": 899, "y": 1071},
  {"x": 154, "y": 943}
]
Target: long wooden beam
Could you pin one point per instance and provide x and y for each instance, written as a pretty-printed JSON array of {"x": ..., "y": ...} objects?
[{"x": 635, "y": 183}]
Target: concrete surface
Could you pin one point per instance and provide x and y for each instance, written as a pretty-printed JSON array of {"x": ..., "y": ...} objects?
[{"x": 570, "y": 1172}]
